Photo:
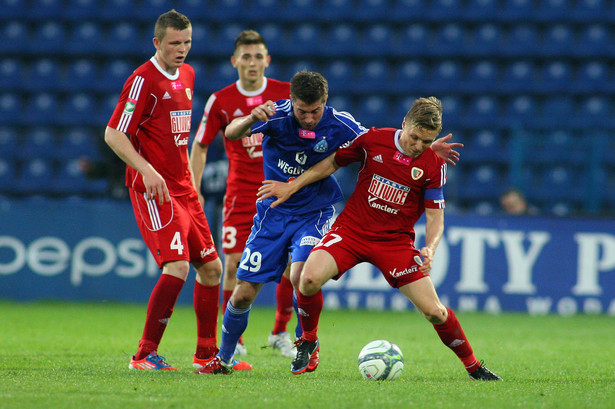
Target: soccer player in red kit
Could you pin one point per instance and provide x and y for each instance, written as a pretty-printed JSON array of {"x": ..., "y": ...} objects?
[
  {"x": 245, "y": 172},
  {"x": 400, "y": 178},
  {"x": 149, "y": 130}
]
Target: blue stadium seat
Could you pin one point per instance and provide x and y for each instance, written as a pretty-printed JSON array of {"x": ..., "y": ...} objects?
[
  {"x": 372, "y": 10},
  {"x": 340, "y": 40},
  {"x": 522, "y": 110},
  {"x": 35, "y": 177},
  {"x": 445, "y": 9},
  {"x": 261, "y": 9},
  {"x": 342, "y": 103},
  {"x": 405, "y": 10},
  {"x": 483, "y": 182},
  {"x": 449, "y": 40},
  {"x": 79, "y": 109},
  {"x": 452, "y": 110},
  {"x": 410, "y": 76},
  {"x": 414, "y": 38},
  {"x": 44, "y": 107},
  {"x": 39, "y": 142},
  {"x": 308, "y": 36},
  {"x": 221, "y": 10},
  {"x": 446, "y": 76},
  {"x": 517, "y": 10},
  {"x": 149, "y": 10},
  {"x": 485, "y": 146},
  {"x": 78, "y": 142},
  {"x": 482, "y": 76},
  {"x": 553, "y": 10},
  {"x": 80, "y": 75},
  {"x": 592, "y": 76},
  {"x": 373, "y": 111},
  {"x": 592, "y": 10},
  {"x": 483, "y": 110},
  {"x": 8, "y": 175},
  {"x": 481, "y": 9},
  {"x": 11, "y": 73},
  {"x": 597, "y": 110},
  {"x": 114, "y": 75},
  {"x": 519, "y": 76},
  {"x": 374, "y": 76},
  {"x": 49, "y": 37},
  {"x": 223, "y": 40},
  {"x": 561, "y": 183},
  {"x": 558, "y": 39},
  {"x": 11, "y": 107},
  {"x": 377, "y": 39},
  {"x": 45, "y": 9},
  {"x": 486, "y": 40},
  {"x": 15, "y": 39},
  {"x": 117, "y": 10},
  {"x": 43, "y": 75},
  {"x": 339, "y": 73},
  {"x": 557, "y": 108},
  {"x": 81, "y": 9},
  {"x": 86, "y": 37},
  {"x": 273, "y": 34},
  {"x": 9, "y": 142},
  {"x": 521, "y": 40},
  {"x": 594, "y": 39},
  {"x": 70, "y": 179},
  {"x": 121, "y": 38},
  {"x": 556, "y": 76},
  {"x": 299, "y": 10},
  {"x": 13, "y": 9},
  {"x": 300, "y": 65},
  {"x": 338, "y": 10}
]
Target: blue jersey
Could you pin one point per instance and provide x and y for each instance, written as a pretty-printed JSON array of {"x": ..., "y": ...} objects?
[{"x": 289, "y": 150}]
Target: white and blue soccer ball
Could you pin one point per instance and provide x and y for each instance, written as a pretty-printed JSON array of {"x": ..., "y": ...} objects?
[{"x": 381, "y": 360}]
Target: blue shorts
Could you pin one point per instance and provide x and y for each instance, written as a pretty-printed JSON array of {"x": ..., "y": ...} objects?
[{"x": 277, "y": 236}]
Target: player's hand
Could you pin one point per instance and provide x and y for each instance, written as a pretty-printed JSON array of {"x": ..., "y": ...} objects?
[
  {"x": 427, "y": 255},
  {"x": 446, "y": 150},
  {"x": 263, "y": 112},
  {"x": 281, "y": 190},
  {"x": 155, "y": 186}
]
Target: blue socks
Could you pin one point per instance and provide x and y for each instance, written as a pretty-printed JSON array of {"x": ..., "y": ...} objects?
[{"x": 234, "y": 323}]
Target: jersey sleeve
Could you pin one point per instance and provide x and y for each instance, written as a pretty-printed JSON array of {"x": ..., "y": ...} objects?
[
  {"x": 351, "y": 151},
  {"x": 130, "y": 107},
  {"x": 211, "y": 123},
  {"x": 434, "y": 188}
]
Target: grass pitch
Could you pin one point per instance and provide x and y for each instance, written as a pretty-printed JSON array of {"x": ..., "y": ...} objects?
[{"x": 75, "y": 355}]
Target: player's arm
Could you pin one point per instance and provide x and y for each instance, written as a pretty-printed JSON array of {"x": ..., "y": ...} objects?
[
  {"x": 434, "y": 228},
  {"x": 198, "y": 160},
  {"x": 240, "y": 127},
  {"x": 153, "y": 181},
  {"x": 447, "y": 150},
  {"x": 284, "y": 190}
]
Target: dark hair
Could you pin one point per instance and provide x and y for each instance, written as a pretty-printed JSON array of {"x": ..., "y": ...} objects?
[
  {"x": 309, "y": 87},
  {"x": 426, "y": 113},
  {"x": 248, "y": 37},
  {"x": 171, "y": 19}
]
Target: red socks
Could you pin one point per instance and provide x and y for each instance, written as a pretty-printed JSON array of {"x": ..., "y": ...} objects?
[
  {"x": 206, "y": 309},
  {"x": 453, "y": 337},
  {"x": 159, "y": 310},
  {"x": 284, "y": 310},
  {"x": 310, "y": 307}
]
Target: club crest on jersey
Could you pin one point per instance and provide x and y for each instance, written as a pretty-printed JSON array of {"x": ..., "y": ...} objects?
[
  {"x": 416, "y": 173},
  {"x": 301, "y": 158},
  {"x": 322, "y": 146},
  {"x": 189, "y": 94},
  {"x": 388, "y": 190},
  {"x": 180, "y": 121},
  {"x": 129, "y": 108}
]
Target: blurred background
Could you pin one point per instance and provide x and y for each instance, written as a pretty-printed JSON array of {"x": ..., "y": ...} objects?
[{"x": 527, "y": 85}]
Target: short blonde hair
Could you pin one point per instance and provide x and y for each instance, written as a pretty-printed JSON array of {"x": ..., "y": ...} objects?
[{"x": 426, "y": 113}]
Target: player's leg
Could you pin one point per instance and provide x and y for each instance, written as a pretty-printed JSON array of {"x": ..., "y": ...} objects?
[
  {"x": 423, "y": 295},
  {"x": 229, "y": 281},
  {"x": 279, "y": 337}
]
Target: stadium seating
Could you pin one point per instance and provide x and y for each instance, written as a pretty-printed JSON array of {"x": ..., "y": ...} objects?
[
  {"x": 10, "y": 107},
  {"x": 39, "y": 142},
  {"x": 8, "y": 175},
  {"x": 85, "y": 38},
  {"x": 42, "y": 75},
  {"x": 9, "y": 142},
  {"x": 35, "y": 177},
  {"x": 10, "y": 74}
]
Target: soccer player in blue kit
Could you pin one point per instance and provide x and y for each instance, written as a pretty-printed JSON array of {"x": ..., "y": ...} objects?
[{"x": 297, "y": 133}]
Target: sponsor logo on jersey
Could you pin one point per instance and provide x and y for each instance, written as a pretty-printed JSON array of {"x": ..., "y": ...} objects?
[
  {"x": 304, "y": 133},
  {"x": 371, "y": 200},
  {"x": 179, "y": 141},
  {"x": 301, "y": 158},
  {"x": 416, "y": 173},
  {"x": 175, "y": 85},
  {"x": 378, "y": 158},
  {"x": 401, "y": 158},
  {"x": 207, "y": 252},
  {"x": 321, "y": 146},
  {"x": 409, "y": 270},
  {"x": 388, "y": 190},
  {"x": 253, "y": 101},
  {"x": 256, "y": 139},
  {"x": 309, "y": 241},
  {"x": 166, "y": 95},
  {"x": 180, "y": 121},
  {"x": 288, "y": 169},
  {"x": 129, "y": 108}
]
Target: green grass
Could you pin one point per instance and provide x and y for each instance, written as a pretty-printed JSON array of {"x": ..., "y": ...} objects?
[{"x": 63, "y": 355}]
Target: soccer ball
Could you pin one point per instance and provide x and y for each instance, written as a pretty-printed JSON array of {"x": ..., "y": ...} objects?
[{"x": 381, "y": 361}]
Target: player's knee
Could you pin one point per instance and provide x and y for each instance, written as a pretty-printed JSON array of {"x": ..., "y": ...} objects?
[
  {"x": 436, "y": 314},
  {"x": 308, "y": 284}
]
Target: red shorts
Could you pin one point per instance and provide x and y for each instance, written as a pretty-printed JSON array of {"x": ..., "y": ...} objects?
[
  {"x": 395, "y": 257},
  {"x": 176, "y": 230},
  {"x": 238, "y": 216}
]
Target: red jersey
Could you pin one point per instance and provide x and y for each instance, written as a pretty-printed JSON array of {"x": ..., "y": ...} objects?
[
  {"x": 245, "y": 155},
  {"x": 155, "y": 110},
  {"x": 390, "y": 194}
]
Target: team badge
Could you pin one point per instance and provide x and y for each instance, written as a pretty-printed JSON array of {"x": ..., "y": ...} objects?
[
  {"x": 418, "y": 260},
  {"x": 322, "y": 146},
  {"x": 416, "y": 173},
  {"x": 189, "y": 94}
]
